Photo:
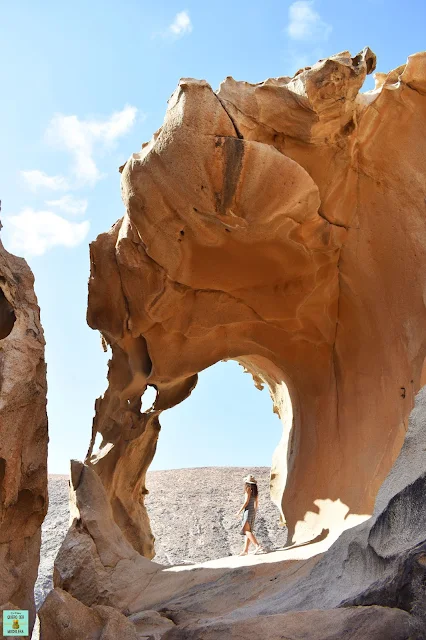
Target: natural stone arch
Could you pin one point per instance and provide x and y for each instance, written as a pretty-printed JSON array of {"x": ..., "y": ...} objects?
[{"x": 257, "y": 222}]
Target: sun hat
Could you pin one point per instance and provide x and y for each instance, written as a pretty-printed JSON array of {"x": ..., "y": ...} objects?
[{"x": 250, "y": 479}]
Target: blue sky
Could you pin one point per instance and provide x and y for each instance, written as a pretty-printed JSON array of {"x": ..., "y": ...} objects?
[{"x": 83, "y": 84}]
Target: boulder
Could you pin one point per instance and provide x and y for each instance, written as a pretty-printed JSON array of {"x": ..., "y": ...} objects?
[{"x": 62, "y": 617}]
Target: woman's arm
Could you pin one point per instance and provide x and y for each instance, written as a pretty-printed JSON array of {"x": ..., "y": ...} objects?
[
  {"x": 245, "y": 503},
  {"x": 256, "y": 502}
]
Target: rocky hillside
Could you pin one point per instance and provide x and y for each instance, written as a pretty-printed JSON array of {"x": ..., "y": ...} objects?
[{"x": 192, "y": 514}]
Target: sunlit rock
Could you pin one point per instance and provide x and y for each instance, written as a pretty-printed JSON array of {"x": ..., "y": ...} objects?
[
  {"x": 282, "y": 225},
  {"x": 23, "y": 433}
]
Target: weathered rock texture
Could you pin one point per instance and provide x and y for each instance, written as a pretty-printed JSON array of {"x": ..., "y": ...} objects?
[
  {"x": 281, "y": 225},
  {"x": 190, "y": 522},
  {"x": 359, "y": 623},
  {"x": 66, "y": 618},
  {"x": 370, "y": 583},
  {"x": 23, "y": 433}
]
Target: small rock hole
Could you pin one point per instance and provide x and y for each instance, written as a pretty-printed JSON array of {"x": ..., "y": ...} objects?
[{"x": 7, "y": 316}]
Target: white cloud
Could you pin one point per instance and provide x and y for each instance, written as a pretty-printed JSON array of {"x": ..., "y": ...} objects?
[
  {"x": 69, "y": 204},
  {"x": 38, "y": 179},
  {"x": 32, "y": 233},
  {"x": 80, "y": 137},
  {"x": 181, "y": 24},
  {"x": 305, "y": 24}
]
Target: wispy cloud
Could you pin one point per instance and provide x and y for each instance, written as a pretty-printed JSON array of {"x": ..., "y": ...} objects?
[
  {"x": 32, "y": 233},
  {"x": 180, "y": 26},
  {"x": 39, "y": 180},
  {"x": 306, "y": 31},
  {"x": 305, "y": 24},
  {"x": 82, "y": 137},
  {"x": 69, "y": 204},
  {"x": 298, "y": 58}
]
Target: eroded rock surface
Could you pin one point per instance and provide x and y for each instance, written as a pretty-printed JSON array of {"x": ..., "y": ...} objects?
[
  {"x": 62, "y": 616},
  {"x": 370, "y": 583},
  {"x": 372, "y": 580},
  {"x": 190, "y": 523},
  {"x": 23, "y": 433},
  {"x": 374, "y": 623},
  {"x": 281, "y": 225}
]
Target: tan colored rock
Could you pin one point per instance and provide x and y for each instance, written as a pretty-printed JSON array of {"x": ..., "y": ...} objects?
[
  {"x": 23, "y": 433},
  {"x": 151, "y": 624},
  {"x": 363, "y": 586},
  {"x": 62, "y": 617},
  {"x": 358, "y": 623},
  {"x": 96, "y": 564},
  {"x": 281, "y": 225}
]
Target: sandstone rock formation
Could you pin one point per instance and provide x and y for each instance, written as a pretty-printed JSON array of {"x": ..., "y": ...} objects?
[
  {"x": 190, "y": 523},
  {"x": 23, "y": 433},
  {"x": 282, "y": 225},
  {"x": 65, "y": 617},
  {"x": 370, "y": 583},
  {"x": 358, "y": 623}
]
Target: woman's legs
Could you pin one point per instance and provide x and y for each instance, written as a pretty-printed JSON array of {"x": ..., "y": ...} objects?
[
  {"x": 246, "y": 540},
  {"x": 246, "y": 546},
  {"x": 250, "y": 537}
]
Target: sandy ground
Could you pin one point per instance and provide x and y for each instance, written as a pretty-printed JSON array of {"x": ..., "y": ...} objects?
[{"x": 192, "y": 514}]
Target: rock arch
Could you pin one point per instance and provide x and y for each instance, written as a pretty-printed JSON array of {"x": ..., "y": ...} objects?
[{"x": 264, "y": 223}]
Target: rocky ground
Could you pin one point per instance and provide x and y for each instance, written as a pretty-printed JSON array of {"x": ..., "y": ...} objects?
[{"x": 192, "y": 514}]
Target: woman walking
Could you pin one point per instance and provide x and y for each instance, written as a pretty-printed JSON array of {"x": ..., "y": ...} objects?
[{"x": 249, "y": 509}]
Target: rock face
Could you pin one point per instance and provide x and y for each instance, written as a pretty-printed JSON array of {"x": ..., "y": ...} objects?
[
  {"x": 370, "y": 583},
  {"x": 190, "y": 523},
  {"x": 359, "y": 623},
  {"x": 64, "y": 617},
  {"x": 281, "y": 225},
  {"x": 23, "y": 433}
]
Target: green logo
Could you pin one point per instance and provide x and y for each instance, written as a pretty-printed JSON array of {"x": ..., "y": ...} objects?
[{"x": 15, "y": 623}]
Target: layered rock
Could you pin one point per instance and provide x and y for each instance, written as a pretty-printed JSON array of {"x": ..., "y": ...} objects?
[
  {"x": 370, "y": 583},
  {"x": 281, "y": 225},
  {"x": 23, "y": 433}
]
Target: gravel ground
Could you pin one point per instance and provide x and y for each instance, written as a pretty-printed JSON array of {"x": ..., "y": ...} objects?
[
  {"x": 54, "y": 529},
  {"x": 192, "y": 513}
]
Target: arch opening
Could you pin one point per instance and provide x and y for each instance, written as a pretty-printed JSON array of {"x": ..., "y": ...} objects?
[
  {"x": 226, "y": 429},
  {"x": 265, "y": 377}
]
